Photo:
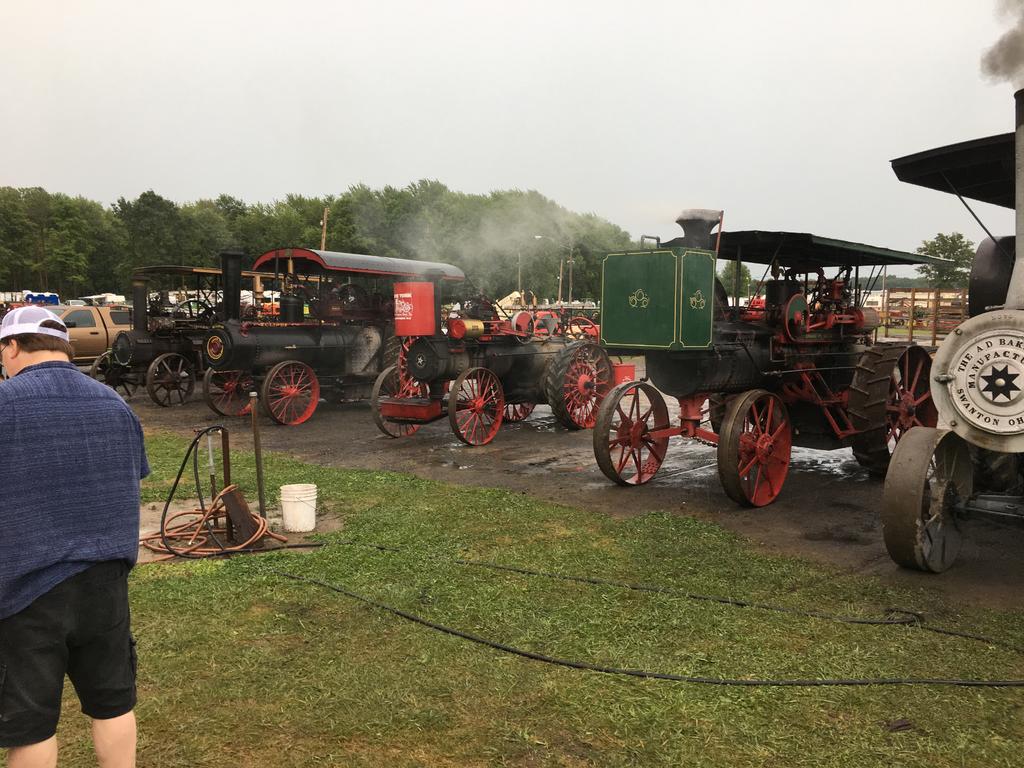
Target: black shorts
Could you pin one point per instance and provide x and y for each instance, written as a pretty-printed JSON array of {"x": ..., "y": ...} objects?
[{"x": 80, "y": 628}]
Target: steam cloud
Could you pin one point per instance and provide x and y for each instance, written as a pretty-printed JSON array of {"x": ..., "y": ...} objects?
[{"x": 1005, "y": 59}]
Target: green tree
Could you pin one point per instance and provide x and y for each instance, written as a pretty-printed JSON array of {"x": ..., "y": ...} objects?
[
  {"x": 728, "y": 277},
  {"x": 959, "y": 253},
  {"x": 154, "y": 229}
]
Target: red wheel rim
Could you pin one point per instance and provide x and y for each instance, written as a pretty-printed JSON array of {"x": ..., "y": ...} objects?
[
  {"x": 635, "y": 453},
  {"x": 764, "y": 448},
  {"x": 587, "y": 382},
  {"x": 910, "y": 400},
  {"x": 479, "y": 406},
  {"x": 228, "y": 392},
  {"x": 292, "y": 393},
  {"x": 395, "y": 386},
  {"x": 518, "y": 411}
]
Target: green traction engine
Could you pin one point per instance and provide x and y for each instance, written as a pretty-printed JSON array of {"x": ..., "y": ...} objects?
[{"x": 797, "y": 365}]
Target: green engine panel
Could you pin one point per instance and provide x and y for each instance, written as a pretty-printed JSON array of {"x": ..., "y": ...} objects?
[{"x": 660, "y": 299}]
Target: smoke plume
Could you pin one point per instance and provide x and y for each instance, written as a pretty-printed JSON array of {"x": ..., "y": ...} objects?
[{"x": 1005, "y": 59}]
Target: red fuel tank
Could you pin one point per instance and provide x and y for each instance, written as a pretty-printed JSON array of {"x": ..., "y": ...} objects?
[{"x": 414, "y": 309}]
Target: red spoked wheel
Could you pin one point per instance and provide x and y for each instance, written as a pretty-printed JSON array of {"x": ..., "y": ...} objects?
[
  {"x": 476, "y": 406},
  {"x": 910, "y": 401},
  {"x": 291, "y": 392},
  {"x": 227, "y": 392},
  {"x": 518, "y": 411},
  {"x": 576, "y": 383},
  {"x": 582, "y": 328},
  {"x": 625, "y": 446},
  {"x": 754, "y": 448},
  {"x": 390, "y": 385}
]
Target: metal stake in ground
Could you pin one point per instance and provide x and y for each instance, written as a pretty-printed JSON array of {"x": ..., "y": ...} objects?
[{"x": 253, "y": 397}]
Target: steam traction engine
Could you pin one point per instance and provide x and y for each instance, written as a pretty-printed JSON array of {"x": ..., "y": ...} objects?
[
  {"x": 970, "y": 466},
  {"x": 482, "y": 369},
  {"x": 331, "y": 324},
  {"x": 796, "y": 367},
  {"x": 164, "y": 348}
]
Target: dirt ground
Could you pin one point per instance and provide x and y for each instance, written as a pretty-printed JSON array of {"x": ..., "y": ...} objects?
[{"x": 828, "y": 511}]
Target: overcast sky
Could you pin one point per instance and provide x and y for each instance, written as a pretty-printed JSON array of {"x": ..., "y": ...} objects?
[{"x": 784, "y": 113}]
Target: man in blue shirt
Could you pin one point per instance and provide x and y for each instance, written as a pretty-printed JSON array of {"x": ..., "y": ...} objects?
[{"x": 71, "y": 457}]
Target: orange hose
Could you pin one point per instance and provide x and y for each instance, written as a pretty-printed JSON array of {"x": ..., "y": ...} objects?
[{"x": 194, "y": 535}]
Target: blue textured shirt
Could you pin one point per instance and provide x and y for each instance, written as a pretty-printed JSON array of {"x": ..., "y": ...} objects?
[{"x": 71, "y": 457}]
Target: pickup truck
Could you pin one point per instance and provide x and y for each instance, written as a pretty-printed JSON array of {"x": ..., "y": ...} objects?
[{"x": 93, "y": 329}]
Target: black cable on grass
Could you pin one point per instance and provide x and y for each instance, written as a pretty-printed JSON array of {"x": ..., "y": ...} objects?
[
  {"x": 587, "y": 666},
  {"x": 894, "y": 616}
]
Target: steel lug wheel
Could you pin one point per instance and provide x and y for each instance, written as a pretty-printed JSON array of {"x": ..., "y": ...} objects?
[
  {"x": 227, "y": 392},
  {"x": 889, "y": 396},
  {"x": 576, "y": 383},
  {"x": 290, "y": 393},
  {"x": 754, "y": 448},
  {"x": 930, "y": 473},
  {"x": 476, "y": 406},
  {"x": 625, "y": 450}
]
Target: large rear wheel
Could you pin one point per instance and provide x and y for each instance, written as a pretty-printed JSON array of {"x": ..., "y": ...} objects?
[
  {"x": 889, "y": 396},
  {"x": 754, "y": 448},
  {"x": 576, "y": 383},
  {"x": 929, "y": 475},
  {"x": 624, "y": 447}
]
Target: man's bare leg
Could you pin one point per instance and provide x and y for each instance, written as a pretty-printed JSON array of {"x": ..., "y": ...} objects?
[
  {"x": 42, "y": 754},
  {"x": 114, "y": 741}
]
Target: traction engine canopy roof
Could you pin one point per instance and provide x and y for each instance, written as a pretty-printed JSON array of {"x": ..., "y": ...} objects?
[
  {"x": 310, "y": 262},
  {"x": 805, "y": 252},
  {"x": 980, "y": 169}
]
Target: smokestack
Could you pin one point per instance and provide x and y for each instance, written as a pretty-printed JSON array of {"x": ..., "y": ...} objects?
[
  {"x": 697, "y": 224},
  {"x": 140, "y": 304},
  {"x": 1015, "y": 292},
  {"x": 231, "y": 283}
]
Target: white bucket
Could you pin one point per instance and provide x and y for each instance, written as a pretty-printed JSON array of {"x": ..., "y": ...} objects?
[{"x": 298, "y": 507}]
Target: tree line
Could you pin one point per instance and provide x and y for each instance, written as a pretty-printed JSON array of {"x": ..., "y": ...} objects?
[{"x": 50, "y": 241}]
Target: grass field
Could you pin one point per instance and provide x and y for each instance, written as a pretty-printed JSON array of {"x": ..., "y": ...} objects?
[{"x": 240, "y": 666}]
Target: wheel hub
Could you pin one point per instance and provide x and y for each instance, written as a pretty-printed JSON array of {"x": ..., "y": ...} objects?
[
  {"x": 764, "y": 448},
  {"x": 585, "y": 384}
]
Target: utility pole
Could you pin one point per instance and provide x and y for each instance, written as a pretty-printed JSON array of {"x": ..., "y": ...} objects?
[
  {"x": 561, "y": 263},
  {"x": 323, "y": 231},
  {"x": 570, "y": 274}
]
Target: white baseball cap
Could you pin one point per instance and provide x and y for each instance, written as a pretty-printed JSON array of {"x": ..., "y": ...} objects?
[{"x": 30, "y": 320}]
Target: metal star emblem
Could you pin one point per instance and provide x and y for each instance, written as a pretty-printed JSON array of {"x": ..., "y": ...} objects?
[{"x": 1000, "y": 382}]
